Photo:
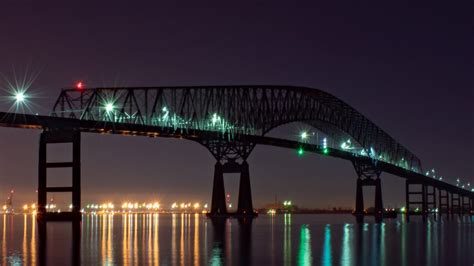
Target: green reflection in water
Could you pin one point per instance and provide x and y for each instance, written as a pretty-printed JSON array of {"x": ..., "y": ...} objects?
[
  {"x": 304, "y": 253},
  {"x": 327, "y": 257},
  {"x": 403, "y": 243},
  {"x": 346, "y": 258},
  {"x": 382, "y": 244},
  {"x": 287, "y": 240},
  {"x": 429, "y": 240},
  {"x": 216, "y": 256}
]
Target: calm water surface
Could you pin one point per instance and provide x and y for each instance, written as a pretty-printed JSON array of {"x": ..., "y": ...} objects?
[{"x": 192, "y": 239}]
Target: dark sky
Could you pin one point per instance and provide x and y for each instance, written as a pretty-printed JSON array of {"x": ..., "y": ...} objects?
[{"x": 408, "y": 68}]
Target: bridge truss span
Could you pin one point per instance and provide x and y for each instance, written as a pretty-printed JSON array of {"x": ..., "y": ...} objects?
[{"x": 234, "y": 111}]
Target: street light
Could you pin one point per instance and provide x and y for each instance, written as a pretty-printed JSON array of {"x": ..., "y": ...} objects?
[
  {"x": 20, "y": 97},
  {"x": 304, "y": 135},
  {"x": 109, "y": 107}
]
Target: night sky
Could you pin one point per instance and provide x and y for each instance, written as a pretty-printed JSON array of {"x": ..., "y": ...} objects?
[{"x": 410, "y": 69}]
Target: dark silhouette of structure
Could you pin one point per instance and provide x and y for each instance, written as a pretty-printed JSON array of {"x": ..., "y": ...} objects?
[{"x": 230, "y": 121}]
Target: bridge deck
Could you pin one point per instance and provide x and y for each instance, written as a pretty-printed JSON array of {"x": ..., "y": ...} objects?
[{"x": 57, "y": 123}]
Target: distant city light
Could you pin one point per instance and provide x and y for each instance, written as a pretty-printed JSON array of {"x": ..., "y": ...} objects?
[{"x": 325, "y": 151}]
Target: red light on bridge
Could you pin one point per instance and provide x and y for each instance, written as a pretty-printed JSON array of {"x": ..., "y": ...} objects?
[{"x": 80, "y": 85}]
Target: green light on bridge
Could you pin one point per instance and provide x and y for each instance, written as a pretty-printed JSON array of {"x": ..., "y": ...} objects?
[
  {"x": 109, "y": 107},
  {"x": 346, "y": 145},
  {"x": 300, "y": 151},
  {"x": 325, "y": 151}
]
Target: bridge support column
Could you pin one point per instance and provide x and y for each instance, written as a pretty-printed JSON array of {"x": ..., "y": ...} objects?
[
  {"x": 64, "y": 137},
  {"x": 368, "y": 175},
  {"x": 465, "y": 205},
  {"x": 430, "y": 199},
  {"x": 378, "y": 210},
  {"x": 455, "y": 204},
  {"x": 359, "y": 209},
  {"x": 471, "y": 207},
  {"x": 421, "y": 200},
  {"x": 218, "y": 205},
  {"x": 230, "y": 153},
  {"x": 245, "y": 206},
  {"x": 443, "y": 203}
]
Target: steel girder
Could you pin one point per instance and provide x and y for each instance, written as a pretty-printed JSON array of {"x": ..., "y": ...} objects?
[{"x": 233, "y": 110}]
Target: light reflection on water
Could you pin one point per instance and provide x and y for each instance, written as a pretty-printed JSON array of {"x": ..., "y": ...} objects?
[{"x": 192, "y": 239}]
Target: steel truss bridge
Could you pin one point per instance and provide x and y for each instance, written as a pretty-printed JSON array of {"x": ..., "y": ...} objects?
[{"x": 230, "y": 121}]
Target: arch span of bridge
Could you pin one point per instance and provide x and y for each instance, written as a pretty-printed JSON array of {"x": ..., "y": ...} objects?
[{"x": 229, "y": 121}]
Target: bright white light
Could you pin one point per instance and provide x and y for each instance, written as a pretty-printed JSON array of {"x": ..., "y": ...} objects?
[
  {"x": 19, "y": 97},
  {"x": 215, "y": 119},
  {"x": 304, "y": 135},
  {"x": 109, "y": 107}
]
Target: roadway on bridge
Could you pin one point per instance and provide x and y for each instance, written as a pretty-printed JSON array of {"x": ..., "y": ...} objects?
[{"x": 16, "y": 120}]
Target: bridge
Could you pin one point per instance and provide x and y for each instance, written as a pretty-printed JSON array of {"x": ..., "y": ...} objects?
[{"x": 230, "y": 121}]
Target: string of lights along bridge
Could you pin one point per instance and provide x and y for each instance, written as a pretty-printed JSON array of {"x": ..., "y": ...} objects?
[{"x": 230, "y": 121}]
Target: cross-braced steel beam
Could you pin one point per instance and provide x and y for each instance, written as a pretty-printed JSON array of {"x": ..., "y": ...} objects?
[{"x": 235, "y": 110}]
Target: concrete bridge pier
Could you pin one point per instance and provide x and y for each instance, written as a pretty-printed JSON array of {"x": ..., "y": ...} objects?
[
  {"x": 378, "y": 203},
  {"x": 218, "y": 205},
  {"x": 59, "y": 137},
  {"x": 421, "y": 199},
  {"x": 465, "y": 205},
  {"x": 443, "y": 203},
  {"x": 245, "y": 206},
  {"x": 471, "y": 206},
  {"x": 378, "y": 210},
  {"x": 471, "y": 201},
  {"x": 431, "y": 203},
  {"x": 359, "y": 209},
  {"x": 455, "y": 204},
  {"x": 368, "y": 175}
]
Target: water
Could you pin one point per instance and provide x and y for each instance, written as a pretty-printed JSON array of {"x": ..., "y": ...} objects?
[{"x": 187, "y": 239}]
